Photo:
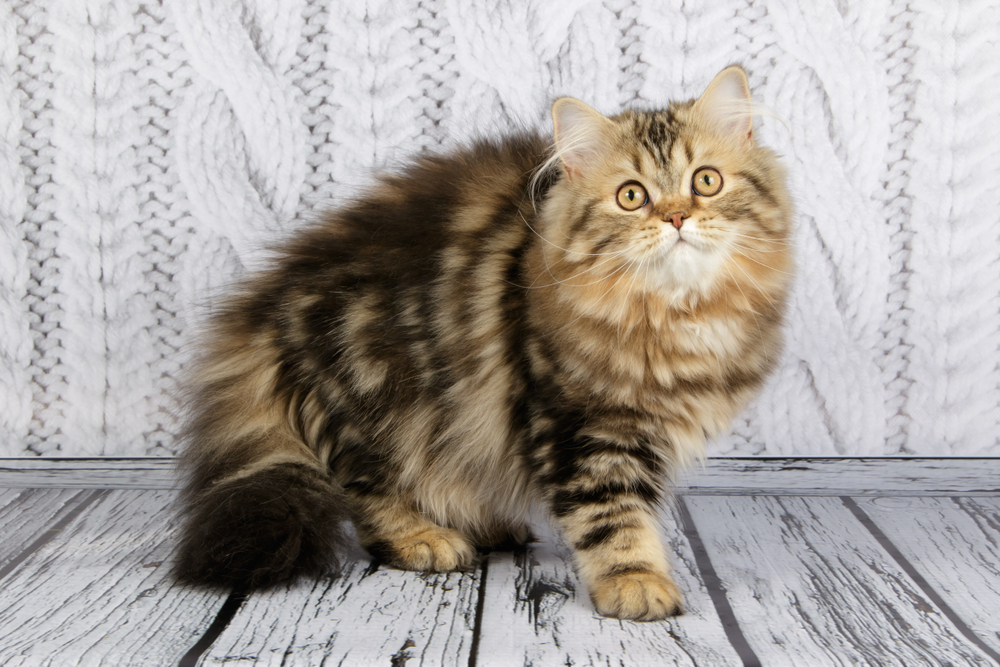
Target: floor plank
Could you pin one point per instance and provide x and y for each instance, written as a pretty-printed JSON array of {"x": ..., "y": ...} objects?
[
  {"x": 151, "y": 472},
  {"x": 954, "y": 543},
  {"x": 805, "y": 580},
  {"x": 811, "y": 586},
  {"x": 843, "y": 477},
  {"x": 718, "y": 476},
  {"x": 537, "y": 612},
  {"x": 100, "y": 593},
  {"x": 366, "y": 616},
  {"x": 26, "y": 513}
]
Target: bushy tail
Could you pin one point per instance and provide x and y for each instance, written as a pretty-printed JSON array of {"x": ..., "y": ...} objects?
[
  {"x": 263, "y": 528},
  {"x": 260, "y": 507}
]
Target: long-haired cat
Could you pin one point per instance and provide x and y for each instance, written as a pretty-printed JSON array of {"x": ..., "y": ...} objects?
[{"x": 507, "y": 327}]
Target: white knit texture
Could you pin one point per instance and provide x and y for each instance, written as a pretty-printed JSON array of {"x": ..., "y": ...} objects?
[{"x": 152, "y": 152}]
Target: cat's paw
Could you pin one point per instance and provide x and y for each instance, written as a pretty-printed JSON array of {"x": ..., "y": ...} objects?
[
  {"x": 433, "y": 549},
  {"x": 639, "y": 596}
]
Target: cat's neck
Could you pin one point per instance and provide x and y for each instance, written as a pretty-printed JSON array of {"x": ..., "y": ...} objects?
[
  {"x": 628, "y": 296},
  {"x": 630, "y": 347}
]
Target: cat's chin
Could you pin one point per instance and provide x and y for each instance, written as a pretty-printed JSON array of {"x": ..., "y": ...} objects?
[{"x": 685, "y": 269}]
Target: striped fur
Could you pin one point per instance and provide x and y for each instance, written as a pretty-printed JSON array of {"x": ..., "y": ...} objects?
[{"x": 464, "y": 343}]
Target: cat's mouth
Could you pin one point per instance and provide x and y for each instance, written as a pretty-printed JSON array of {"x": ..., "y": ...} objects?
[{"x": 685, "y": 241}]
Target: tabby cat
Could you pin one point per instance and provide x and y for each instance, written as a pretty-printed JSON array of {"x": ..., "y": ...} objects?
[{"x": 515, "y": 325}]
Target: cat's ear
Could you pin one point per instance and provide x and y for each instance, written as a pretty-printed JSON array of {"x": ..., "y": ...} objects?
[
  {"x": 726, "y": 106},
  {"x": 581, "y": 134}
]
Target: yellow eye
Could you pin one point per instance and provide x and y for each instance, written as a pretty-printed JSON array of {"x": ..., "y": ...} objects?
[
  {"x": 632, "y": 196},
  {"x": 706, "y": 182}
]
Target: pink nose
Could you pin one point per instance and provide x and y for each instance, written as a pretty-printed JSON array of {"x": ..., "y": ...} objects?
[{"x": 677, "y": 218}]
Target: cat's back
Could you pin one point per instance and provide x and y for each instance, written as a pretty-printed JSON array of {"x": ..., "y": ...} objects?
[
  {"x": 399, "y": 286},
  {"x": 399, "y": 224},
  {"x": 408, "y": 249}
]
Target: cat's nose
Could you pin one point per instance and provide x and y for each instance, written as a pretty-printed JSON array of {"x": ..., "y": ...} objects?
[{"x": 677, "y": 218}]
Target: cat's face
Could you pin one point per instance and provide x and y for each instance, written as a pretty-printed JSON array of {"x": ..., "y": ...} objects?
[{"x": 678, "y": 202}]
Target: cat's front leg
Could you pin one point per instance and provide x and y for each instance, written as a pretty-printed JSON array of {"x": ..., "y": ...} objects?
[{"x": 607, "y": 511}]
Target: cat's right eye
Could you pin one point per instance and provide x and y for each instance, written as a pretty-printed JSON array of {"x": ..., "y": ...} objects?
[{"x": 632, "y": 196}]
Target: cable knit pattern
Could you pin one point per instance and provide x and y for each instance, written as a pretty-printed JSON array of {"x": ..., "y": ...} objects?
[
  {"x": 15, "y": 329},
  {"x": 151, "y": 152}
]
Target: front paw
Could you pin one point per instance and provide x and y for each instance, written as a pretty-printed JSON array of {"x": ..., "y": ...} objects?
[{"x": 640, "y": 596}]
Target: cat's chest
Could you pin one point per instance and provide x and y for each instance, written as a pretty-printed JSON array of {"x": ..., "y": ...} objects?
[
  {"x": 654, "y": 359},
  {"x": 719, "y": 337},
  {"x": 698, "y": 352}
]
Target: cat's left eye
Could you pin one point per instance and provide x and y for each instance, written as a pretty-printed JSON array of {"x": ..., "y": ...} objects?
[
  {"x": 706, "y": 182},
  {"x": 632, "y": 196}
]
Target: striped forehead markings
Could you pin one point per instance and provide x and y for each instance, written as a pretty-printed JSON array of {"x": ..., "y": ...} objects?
[
  {"x": 662, "y": 135},
  {"x": 656, "y": 134}
]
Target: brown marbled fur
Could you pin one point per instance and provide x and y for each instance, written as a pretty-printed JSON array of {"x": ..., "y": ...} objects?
[{"x": 491, "y": 331}]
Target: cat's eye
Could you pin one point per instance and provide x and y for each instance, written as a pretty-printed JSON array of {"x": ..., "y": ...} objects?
[
  {"x": 632, "y": 196},
  {"x": 706, "y": 182}
]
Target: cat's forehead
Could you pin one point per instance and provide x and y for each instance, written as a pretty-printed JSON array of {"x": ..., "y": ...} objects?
[{"x": 659, "y": 140}]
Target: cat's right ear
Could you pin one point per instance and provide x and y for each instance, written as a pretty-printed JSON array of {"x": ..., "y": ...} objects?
[{"x": 581, "y": 133}]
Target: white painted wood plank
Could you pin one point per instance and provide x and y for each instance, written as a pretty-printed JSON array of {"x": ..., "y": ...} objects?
[
  {"x": 361, "y": 618},
  {"x": 25, "y": 514},
  {"x": 758, "y": 476},
  {"x": 954, "y": 543},
  {"x": 538, "y": 612},
  {"x": 843, "y": 477},
  {"x": 82, "y": 473},
  {"x": 811, "y": 586},
  {"x": 100, "y": 593}
]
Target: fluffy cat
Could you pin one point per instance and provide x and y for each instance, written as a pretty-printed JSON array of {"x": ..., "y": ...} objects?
[{"x": 507, "y": 327}]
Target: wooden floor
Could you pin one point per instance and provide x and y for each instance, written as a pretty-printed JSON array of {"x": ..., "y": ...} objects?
[{"x": 782, "y": 562}]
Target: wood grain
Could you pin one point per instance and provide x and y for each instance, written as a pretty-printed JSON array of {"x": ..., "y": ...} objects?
[
  {"x": 811, "y": 586},
  {"x": 366, "y": 616},
  {"x": 25, "y": 514},
  {"x": 100, "y": 593},
  {"x": 954, "y": 543},
  {"x": 89, "y": 473},
  {"x": 718, "y": 476},
  {"x": 843, "y": 477},
  {"x": 807, "y": 582},
  {"x": 537, "y": 612}
]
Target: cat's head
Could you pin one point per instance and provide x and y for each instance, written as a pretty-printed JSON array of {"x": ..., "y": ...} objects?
[{"x": 680, "y": 203}]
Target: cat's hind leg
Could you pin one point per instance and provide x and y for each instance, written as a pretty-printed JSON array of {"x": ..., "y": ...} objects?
[{"x": 392, "y": 530}]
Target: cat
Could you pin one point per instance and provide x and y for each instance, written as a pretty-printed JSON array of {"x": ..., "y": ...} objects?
[{"x": 520, "y": 324}]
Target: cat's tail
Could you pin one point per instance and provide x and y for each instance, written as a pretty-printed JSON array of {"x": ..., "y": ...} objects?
[
  {"x": 263, "y": 528},
  {"x": 259, "y": 506}
]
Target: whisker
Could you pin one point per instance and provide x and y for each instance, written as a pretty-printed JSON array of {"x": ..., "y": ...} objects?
[
  {"x": 753, "y": 312},
  {"x": 744, "y": 247},
  {"x": 756, "y": 285},
  {"x": 645, "y": 288},
  {"x": 761, "y": 238},
  {"x": 566, "y": 280},
  {"x": 625, "y": 301},
  {"x": 554, "y": 245},
  {"x": 770, "y": 268},
  {"x": 623, "y": 268}
]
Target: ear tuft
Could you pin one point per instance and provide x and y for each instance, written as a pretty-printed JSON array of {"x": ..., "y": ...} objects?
[
  {"x": 726, "y": 106},
  {"x": 580, "y": 135}
]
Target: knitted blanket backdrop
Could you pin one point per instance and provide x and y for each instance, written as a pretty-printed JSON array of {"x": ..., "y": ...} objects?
[{"x": 150, "y": 152}]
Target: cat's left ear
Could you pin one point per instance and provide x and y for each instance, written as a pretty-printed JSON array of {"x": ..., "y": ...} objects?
[
  {"x": 726, "y": 106},
  {"x": 581, "y": 134}
]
